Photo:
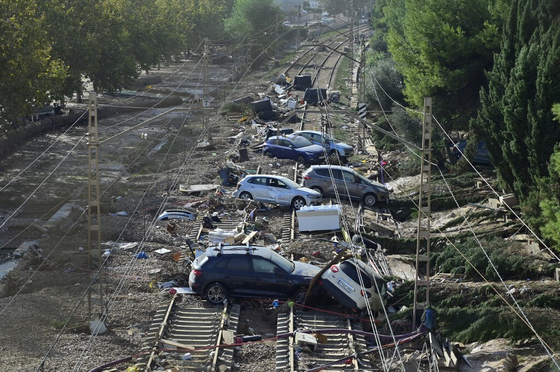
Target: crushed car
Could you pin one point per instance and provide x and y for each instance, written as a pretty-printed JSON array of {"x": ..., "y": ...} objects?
[
  {"x": 176, "y": 214},
  {"x": 343, "y": 281}
]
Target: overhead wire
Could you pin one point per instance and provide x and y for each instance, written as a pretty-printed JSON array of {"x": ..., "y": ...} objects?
[
  {"x": 152, "y": 224},
  {"x": 43, "y": 182},
  {"x": 43, "y": 153},
  {"x": 354, "y": 253},
  {"x": 520, "y": 314}
]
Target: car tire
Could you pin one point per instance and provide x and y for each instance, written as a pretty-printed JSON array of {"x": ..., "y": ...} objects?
[
  {"x": 268, "y": 154},
  {"x": 216, "y": 293},
  {"x": 301, "y": 159},
  {"x": 298, "y": 202},
  {"x": 318, "y": 189},
  {"x": 370, "y": 199},
  {"x": 246, "y": 196},
  {"x": 299, "y": 295}
]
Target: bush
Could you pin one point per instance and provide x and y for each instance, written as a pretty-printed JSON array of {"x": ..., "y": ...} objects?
[{"x": 508, "y": 257}]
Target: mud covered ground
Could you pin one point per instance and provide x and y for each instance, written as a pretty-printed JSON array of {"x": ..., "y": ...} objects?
[{"x": 44, "y": 309}]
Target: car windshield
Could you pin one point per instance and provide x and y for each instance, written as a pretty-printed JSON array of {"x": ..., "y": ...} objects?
[
  {"x": 291, "y": 183},
  {"x": 282, "y": 262},
  {"x": 329, "y": 138},
  {"x": 299, "y": 142}
]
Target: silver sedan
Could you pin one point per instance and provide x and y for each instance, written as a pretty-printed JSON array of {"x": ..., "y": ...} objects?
[{"x": 276, "y": 190}]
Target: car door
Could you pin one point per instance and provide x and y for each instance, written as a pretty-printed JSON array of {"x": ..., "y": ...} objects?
[
  {"x": 275, "y": 147},
  {"x": 279, "y": 192},
  {"x": 258, "y": 187},
  {"x": 235, "y": 272},
  {"x": 353, "y": 183},
  {"x": 340, "y": 183},
  {"x": 270, "y": 279},
  {"x": 289, "y": 150}
]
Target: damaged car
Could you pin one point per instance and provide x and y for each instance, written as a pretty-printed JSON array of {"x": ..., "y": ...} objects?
[
  {"x": 249, "y": 271},
  {"x": 293, "y": 147},
  {"x": 275, "y": 190},
  {"x": 332, "y": 145},
  {"x": 332, "y": 179},
  {"x": 343, "y": 281}
]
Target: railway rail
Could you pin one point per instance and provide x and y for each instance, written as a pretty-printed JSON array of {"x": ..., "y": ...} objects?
[
  {"x": 190, "y": 338},
  {"x": 330, "y": 350}
]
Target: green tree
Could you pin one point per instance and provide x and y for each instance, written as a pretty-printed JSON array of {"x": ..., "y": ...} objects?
[
  {"x": 378, "y": 21},
  {"x": 442, "y": 48},
  {"x": 92, "y": 40},
  {"x": 516, "y": 119},
  {"x": 30, "y": 76},
  {"x": 556, "y": 111},
  {"x": 254, "y": 20}
]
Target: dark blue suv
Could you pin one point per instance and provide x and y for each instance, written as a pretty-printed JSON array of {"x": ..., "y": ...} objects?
[
  {"x": 249, "y": 271},
  {"x": 294, "y": 147}
]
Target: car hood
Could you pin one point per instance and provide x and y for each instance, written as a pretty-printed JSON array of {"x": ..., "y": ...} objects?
[
  {"x": 305, "y": 269},
  {"x": 313, "y": 149},
  {"x": 309, "y": 191},
  {"x": 344, "y": 146},
  {"x": 378, "y": 185}
]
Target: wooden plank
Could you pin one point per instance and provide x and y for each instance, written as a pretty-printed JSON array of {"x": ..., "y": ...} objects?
[
  {"x": 249, "y": 237},
  {"x": 178, "y": 345}
]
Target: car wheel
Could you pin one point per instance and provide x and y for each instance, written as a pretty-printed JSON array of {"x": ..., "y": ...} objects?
[
  {"x": 370, "y": 199},
  {"x": 246, "y": 196},
  {"x": 318, "y": 189},
  {"x": 267, "y": 154},
  {"x": 216, "y": 293},
  {"x": 298, "y": 202},
  {"x": 299, "y": 295},
  {"x": 301, "y": 159}
]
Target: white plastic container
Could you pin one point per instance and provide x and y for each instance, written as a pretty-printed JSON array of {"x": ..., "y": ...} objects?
[{"x": 319, "y": 217}]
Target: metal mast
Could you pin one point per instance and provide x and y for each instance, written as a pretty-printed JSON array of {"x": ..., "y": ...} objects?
[
  {"x": 422, "y": 277},
  {"x": 94, "y": 210}
]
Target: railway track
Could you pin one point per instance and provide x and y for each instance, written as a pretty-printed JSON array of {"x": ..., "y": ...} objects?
[
  {"x": 329, "y": 354},
  {"x": 190, "y": 338}
]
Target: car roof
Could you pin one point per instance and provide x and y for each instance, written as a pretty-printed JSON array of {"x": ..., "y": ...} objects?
[
  {"x": 255, "y": 250},
  {"x": 308, "y": 131},
  {"x": 289, "y": 136},
  {"x": 332, "y": 166},
  {"x": 282, "y": 178}
]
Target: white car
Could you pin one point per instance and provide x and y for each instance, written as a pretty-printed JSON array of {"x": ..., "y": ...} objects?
[
  {"x": 275, "y": 190},
  {"x": 176, "y": 214},
  {"x": 342, "y": 281}
]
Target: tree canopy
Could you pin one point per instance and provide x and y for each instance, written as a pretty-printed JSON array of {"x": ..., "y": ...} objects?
[
  {"x": 442, "y": 48},
  {"x": 516, "y": 117},
  {"x": 50, "y": 48},
  {"x": 254, "y": 22}
]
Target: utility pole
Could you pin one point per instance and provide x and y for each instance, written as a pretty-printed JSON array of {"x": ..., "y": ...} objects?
[
  {"x": 351, "y": 68},
  {"x": 94, "y": 197},
  {"x": 205, "y": 100},
  {"x": 424, "y": 215},
  {"x": 298, "y": 26},
  {"x": 276, "y": 42}
]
